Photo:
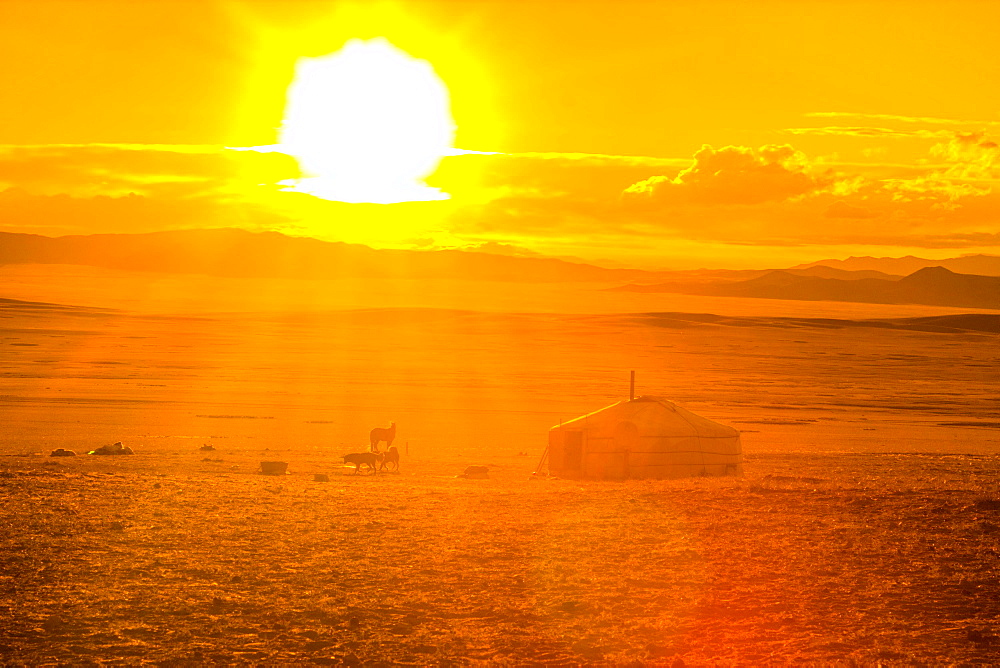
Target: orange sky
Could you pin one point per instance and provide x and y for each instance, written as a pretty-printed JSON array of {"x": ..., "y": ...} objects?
[{"x": 663, "y": 134}]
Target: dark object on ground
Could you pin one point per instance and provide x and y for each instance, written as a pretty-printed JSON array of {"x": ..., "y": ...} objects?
[
  {"x": 367, "y": 459},
  {"x": 55, "y": 624},
  {"x": 207, "y": 448},
  {"x": 114, "y": 449},
  {"x": 476, "y": 473},
  {"x": 391, "y": 456},
  {"x": 321, "y": 477},
  {"x": 59, "y": 452},
  {"x": 274, "y": 468}
]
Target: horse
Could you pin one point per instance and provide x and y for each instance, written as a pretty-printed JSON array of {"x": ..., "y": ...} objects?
[{"x": 379, "y": 434}]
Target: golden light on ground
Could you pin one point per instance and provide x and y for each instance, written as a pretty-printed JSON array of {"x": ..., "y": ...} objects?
[{"x": 367, "y": 123}]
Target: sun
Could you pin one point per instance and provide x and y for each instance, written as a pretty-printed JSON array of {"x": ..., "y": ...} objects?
[{"x": 367, "y": 123}]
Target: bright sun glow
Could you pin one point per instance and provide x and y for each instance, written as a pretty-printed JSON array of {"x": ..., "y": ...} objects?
[{"x": 367, "y": 124}]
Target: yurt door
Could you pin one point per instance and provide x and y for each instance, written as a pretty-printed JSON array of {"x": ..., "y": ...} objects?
[
  {"x": 573, "y": 451},
  {"x": 626, "y": 442}
]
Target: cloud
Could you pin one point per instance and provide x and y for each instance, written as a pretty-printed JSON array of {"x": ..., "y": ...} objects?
[
  {"x": 942, "y": 193},
  {"x": 115, "y": 188},
  {"x": 64, "y": 214},
  {"x": 841, "y": 209},
  {"x": 869, "y": 132},
  {"x": 732, "y": 175},
  {"x": 119, "y": 169},
  {"x": 970, "y": 155},
  {"x": 736, "y": 195},
  {"x": 578, "y": 175},
  {"x": 927, "y": 120}
]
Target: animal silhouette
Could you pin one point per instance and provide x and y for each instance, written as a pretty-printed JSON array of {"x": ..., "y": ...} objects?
[
  {"x": 391, "y": 456},
  {"x": 367, "y": 459},
  {"x": 379, "y": 434}
]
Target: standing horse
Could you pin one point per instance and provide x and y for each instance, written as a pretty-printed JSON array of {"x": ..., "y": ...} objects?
[{"x": 379, "y": 434}]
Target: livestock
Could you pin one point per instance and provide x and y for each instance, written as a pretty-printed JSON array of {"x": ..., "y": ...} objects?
[
  {"x": 390, "y": 456},
  {"x": 379, "y": 434},
  {"x": 115, "y": 449},
  {"x": 368, "y": 459}
]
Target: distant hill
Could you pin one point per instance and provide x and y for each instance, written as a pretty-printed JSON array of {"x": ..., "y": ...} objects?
[
  {"x": 703, "y": 276},
  {"x": 982, "y": 265},
  {"x": 958, "y": 323},
  {"x": 8, "y": 306},
  {"x": 934, "y": 286},
  {"x": 823, "y": 271},
  {"x": 239, "y": 253}
]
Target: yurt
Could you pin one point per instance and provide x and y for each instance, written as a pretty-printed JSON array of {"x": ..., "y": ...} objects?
[{"x": 646, "y": 437}]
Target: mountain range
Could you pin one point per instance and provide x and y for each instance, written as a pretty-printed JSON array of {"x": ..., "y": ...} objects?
[
  {"x": 934, "y": 286},
  {"x": 983, "y": 265},
  {"x": 239, "y": 253}
]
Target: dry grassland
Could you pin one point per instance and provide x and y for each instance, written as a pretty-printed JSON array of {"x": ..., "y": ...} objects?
[
  {"x": 821, "y": 559},
  {"x": 865, "y": 531}
]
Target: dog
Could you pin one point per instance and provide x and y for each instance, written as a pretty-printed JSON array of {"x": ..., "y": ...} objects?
[
  {"x": 390, "y": 456},
  {"x": 368, "y": 459}
]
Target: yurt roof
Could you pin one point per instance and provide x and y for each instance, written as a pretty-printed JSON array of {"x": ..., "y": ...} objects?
[{"x": 649, "y": 411}]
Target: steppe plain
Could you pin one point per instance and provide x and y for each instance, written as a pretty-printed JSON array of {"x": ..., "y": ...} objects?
[{"x": 865, "y": 531}]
